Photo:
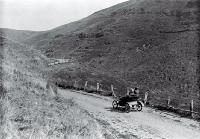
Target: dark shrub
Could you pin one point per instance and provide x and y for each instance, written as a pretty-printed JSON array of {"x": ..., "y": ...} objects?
[
  {"x": 59, "y": 35},
  {"x": 100, "y": 34},
  {"x": 178, "y": 13},
  {"x": 142, "y": 10},
  {"x": 82, "y": 36},
  {"x": 192, "y": 4}
]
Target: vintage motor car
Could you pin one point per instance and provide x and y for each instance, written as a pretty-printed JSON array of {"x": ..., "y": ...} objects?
[{"x": 128, "y": 103}]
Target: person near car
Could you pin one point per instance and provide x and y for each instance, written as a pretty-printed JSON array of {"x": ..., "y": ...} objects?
[{"x": 134, "y": 93}]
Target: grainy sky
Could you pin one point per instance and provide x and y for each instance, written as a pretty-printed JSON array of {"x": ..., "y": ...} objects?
[{"x": 47, "y": 14}]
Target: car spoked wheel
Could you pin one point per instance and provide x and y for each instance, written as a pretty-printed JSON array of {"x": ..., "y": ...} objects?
[
  {"x": 139, "y": 107},
  {"x": 127, "y": 108},
  {"x": 114, "y": 104}
]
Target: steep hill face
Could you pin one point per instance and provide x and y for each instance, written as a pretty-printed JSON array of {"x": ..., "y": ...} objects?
[
  {"x": 149, "y": 43},
  {"x": 30, "y": 103},
  {"x": 2, "y": 90},
  {"x": 17, "y": 35}
]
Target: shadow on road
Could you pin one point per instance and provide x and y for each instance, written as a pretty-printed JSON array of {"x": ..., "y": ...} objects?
[{"x": 119, "y": 110}]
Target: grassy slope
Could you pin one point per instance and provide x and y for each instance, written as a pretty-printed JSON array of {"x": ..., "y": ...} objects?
[
  {"x": 151, "y": 43},
  {"x": 17, "y": 35},
  {"x": 30, "y": 109}
]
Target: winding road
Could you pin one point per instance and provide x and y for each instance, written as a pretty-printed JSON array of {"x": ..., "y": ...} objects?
[{"x": 148, "y": 124}]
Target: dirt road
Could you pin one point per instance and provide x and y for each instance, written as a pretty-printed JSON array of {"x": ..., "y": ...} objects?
[{"x": 148, "y": 124}]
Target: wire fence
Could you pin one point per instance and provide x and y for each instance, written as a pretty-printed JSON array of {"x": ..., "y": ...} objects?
[{"x": 156, "y": 98}]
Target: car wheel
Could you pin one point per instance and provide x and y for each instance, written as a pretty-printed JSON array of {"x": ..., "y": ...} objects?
[
  {"x": 115, "y": 104},
  {"x": 139, "y": 107}
]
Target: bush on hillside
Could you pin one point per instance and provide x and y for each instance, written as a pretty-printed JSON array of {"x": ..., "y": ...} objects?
[{"x": 192, "y": 4}]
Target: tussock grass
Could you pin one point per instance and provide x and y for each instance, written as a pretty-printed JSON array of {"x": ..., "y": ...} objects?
[{"x": 31, "y": 111}]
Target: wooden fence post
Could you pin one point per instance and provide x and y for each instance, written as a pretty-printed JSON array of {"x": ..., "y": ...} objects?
[
  {"x": 75, "y": 84},
  {"x": 168, "y": 101},
  {"x": 97, "y": 87},
  {"x": 85, "y": 87},
  {"x": 145, "y": 97},
  {"x": 127, "y": 91},
  {"x": 192, "y": 107},
  {"x": 112, "y": 89}
]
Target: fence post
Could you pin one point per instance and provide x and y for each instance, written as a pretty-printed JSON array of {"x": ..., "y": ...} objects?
[
  {"x": 168, "y": 101},
  {"x": 97, "y": 87},
  {"x": 75, "y": 84},
  {"x": 127, "y": 91},
  {"x": 192, "y": 107},
  {"x": 112, "y": 89},
  {"x": 145, "y": 97},
  {"x": 85, "y": 87}
]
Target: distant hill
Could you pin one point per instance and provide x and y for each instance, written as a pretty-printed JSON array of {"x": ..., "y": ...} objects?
[
  {"x": 17, "y": 35},
  {"x": 14, "y": 35},
  {"x": 148, "y": 43}
]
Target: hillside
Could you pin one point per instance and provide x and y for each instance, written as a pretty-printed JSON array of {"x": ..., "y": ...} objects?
[
  {"x": 1, "y": 73},
  {"x": 30, "y": 109},
  {"x": 33, "y": 108},
  {"x": 17, "y": 35},
  {"x": 148, "y": 43}
]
